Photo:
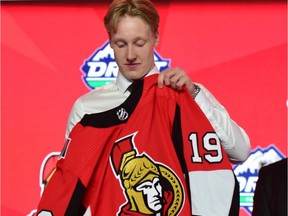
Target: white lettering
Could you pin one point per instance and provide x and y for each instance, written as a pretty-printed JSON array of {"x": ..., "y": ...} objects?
[
  {"x": 112, "y": 70},
  {"x": 251, "y": 183},
  {"x": 97, "y": 69},
  {"x": 242, "y": 182},
  {"x": 248, "y": 185}
]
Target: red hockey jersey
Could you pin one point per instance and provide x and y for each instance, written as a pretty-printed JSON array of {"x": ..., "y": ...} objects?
[{"x": 155, "y": 154}]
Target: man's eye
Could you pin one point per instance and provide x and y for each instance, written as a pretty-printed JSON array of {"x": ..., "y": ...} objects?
[
  {"x": 120, "y": 45},
  {"x": 140, "y": 44}
]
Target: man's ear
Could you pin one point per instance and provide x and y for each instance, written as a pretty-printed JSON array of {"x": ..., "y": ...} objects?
[
  {"x": 156, "y": 39},
  {"x": 110, "y": 40}
]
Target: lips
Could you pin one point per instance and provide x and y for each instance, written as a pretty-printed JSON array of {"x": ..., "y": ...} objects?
[{"x": 132, "y": 66}]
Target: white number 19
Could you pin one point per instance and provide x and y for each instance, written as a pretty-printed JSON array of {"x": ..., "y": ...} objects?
[{"x": 211, "y": 144}]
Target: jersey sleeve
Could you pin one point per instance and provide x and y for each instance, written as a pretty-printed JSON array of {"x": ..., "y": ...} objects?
[
  {"x": 210, "y": 179},
  {"x": 62, "y": 196},
  {"x": 64, "y": 192}
]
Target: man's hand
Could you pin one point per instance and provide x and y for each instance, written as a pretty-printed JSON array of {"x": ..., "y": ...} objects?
[{"x": 176, "y": 78}]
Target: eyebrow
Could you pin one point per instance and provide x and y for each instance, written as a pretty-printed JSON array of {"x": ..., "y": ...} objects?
[{"x": 124, "y": 41}]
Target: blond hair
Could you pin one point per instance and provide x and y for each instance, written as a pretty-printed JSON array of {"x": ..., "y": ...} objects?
[{"x": 141, "y": 8}]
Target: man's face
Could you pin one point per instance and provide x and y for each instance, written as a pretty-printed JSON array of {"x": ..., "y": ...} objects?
[
  {"x": 152, "y": 192},
  {"x": 133, "y": 43}
]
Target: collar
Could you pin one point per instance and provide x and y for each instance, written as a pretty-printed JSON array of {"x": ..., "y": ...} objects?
[{"x": 122, "y": 83}]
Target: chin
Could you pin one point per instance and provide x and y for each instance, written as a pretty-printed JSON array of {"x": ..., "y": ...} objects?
[{"x": 134, "y": 76}]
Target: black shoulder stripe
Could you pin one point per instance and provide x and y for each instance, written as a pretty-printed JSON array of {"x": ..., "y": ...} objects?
[{"x": 117, "y": 115}]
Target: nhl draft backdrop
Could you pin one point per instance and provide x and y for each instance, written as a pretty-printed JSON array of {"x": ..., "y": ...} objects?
[{"x": 54, "y": 52}]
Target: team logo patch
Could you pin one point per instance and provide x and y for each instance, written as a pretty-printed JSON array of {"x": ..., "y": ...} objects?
[
  {"x": 100, "y": 68},
  {"x": 247, "y": 173},
  {"x": 150, "y": 188},
  {"x": 122, "y": 114}
]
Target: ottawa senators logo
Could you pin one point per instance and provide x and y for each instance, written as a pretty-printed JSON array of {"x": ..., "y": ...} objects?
[{"x": 150, "y": 188}]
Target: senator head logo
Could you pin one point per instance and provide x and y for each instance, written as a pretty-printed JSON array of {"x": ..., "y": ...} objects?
[
  {"x": 150, "y": 187},
  {"x": 101, "y": 68}
]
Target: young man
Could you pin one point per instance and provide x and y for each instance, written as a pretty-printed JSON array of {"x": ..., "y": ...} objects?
[{"x": 145, "y": 152}]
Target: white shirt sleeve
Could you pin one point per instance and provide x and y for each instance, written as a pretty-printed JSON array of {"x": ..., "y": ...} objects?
[
  {"x": 234, "y": 139},
  {"x": 76, "y": 114}
]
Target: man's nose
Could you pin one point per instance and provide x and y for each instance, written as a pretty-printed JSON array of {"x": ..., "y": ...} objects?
[{"x": 131, "y": 55}]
